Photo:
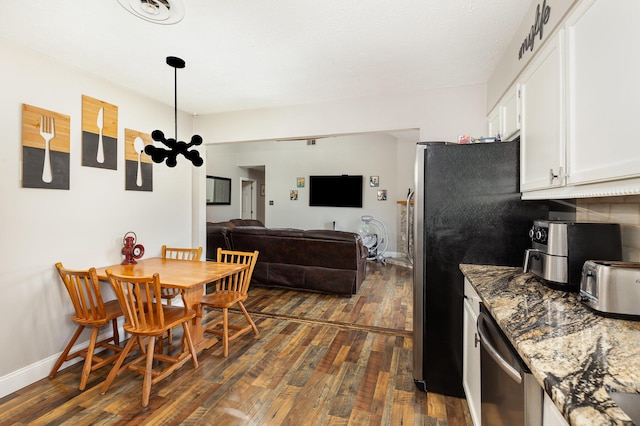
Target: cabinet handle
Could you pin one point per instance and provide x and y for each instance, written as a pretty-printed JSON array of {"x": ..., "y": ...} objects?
[{"x": 553, "y": 176}]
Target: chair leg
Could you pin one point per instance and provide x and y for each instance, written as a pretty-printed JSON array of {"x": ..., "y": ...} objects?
[
  {"x": 189, "y": 341},
  {"x": 63, "y": 356},
  {"x": 116, "y": 335},
  {"x": 170, "y": 332},
  {"x": 225, "y": 332},
  {"x": 146, "y": 384},
  {"x": 116, "y": 368},
  {"x": 88, "y": 360},
  {"x": 249, "y": 320}
]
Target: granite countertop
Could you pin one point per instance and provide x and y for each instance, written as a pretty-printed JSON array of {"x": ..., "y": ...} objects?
[{"x": 575, "y": 354}]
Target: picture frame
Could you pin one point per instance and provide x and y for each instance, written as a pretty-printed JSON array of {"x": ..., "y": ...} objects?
[
  {"x": 218, "y": 190},
  {"x": 300, "y": 182},
  {"x": 374, "y": 181},
  {"x": 382, "y": 195},
  {"x": 293, "y": 195}
]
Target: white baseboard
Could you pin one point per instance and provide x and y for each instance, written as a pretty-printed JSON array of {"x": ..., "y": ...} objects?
[{"x": 40, "y": 369}]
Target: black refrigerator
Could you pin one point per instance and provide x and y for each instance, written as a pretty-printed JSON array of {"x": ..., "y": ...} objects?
[{"x": 468, "y": 209}]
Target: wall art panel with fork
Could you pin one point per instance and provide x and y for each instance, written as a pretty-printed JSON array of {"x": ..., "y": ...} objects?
[
  {"x": 137, "y": 165},
  {"x": 99, "y": 133},
  {"x": 45, "y": 148}
]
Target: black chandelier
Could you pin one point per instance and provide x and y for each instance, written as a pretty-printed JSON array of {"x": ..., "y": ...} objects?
[{"x": 159, "y": 155}]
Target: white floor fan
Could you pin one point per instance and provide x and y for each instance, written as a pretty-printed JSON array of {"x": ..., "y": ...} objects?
[{"x": 374, "y": 237}]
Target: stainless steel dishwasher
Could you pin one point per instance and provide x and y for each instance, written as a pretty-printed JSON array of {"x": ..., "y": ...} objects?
[{"x": 510, "y": 395}]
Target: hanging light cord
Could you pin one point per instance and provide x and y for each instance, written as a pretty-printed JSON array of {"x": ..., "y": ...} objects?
[{"x": 175, "y": 101}]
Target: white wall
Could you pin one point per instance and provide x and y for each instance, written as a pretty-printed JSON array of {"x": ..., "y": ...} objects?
[
  {"x": 81, "y": 227},
  {"x": 440, "y": 114}
]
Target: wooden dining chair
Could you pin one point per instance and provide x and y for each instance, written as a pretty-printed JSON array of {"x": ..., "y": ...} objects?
[
  {"x": 230, "y": 291},
  {"x": 146, "y": 316},
  {"x": 90, "y": 311},
  {"x": 178, "y": 253}
]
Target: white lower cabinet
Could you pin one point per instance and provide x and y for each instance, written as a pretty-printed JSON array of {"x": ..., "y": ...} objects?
[
  {"x": 551, "y": 416},
  {"x": 471, "y": 352}
]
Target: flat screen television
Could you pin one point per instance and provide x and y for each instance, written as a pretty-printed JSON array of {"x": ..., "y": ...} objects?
[{"x": 335, "y": 191}]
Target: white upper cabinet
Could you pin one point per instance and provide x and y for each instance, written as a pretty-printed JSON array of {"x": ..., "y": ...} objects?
[
  {"x": 579, "y": 105},
  {"x": 603, "y": 91},
  {"x": 510, "y": 106},
  {"x": 494, "y": 122},
  {"x": 542, "y": 136}
]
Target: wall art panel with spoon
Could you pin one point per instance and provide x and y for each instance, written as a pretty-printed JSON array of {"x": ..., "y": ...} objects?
[{"x": 138, "y": 165}]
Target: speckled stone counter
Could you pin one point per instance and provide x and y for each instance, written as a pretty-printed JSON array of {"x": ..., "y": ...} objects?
[{"x": 574, "y": 354}]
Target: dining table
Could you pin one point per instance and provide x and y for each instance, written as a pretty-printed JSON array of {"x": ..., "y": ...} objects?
[{"x": 190, "y": 276}]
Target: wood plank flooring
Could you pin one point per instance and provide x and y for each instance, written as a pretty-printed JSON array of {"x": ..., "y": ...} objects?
[{"x": 318, "y": 360}]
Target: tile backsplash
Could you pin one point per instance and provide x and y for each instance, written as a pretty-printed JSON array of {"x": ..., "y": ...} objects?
[{"x": 623, "y": 210}]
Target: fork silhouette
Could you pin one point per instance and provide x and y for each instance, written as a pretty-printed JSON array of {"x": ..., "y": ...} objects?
[{"x": 47, "y": 131}]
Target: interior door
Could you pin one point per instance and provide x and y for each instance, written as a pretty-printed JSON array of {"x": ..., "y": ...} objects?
[{"x": 248, "y": 199}]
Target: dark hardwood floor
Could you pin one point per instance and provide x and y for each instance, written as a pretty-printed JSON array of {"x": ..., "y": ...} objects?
[{"x": 318, "y": 360}]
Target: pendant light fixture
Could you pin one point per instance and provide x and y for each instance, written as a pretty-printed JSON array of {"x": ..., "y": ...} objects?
[{"x": 158, "y": 155}]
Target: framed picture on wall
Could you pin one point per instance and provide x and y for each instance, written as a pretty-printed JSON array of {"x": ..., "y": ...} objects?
[
  {"x": 99, "y": 133},
  {"x": 46, "y": 147}
]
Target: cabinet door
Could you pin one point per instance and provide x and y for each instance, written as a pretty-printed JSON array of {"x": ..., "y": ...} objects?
[
  {"x": 551, "y": 416},
  {"x": 542, "y": 135},
  {"x": 510, "y": 113},
  {"x": 603, "y": 68},
  {"x": 471, "y": 353},
  {"x": 494, "y": 122}
]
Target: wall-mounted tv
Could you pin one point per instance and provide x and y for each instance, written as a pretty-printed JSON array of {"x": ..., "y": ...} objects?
[{"x": 335, "y": 191}]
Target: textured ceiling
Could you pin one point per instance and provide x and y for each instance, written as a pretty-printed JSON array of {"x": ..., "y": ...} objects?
[{"x": 246, "y": 54}]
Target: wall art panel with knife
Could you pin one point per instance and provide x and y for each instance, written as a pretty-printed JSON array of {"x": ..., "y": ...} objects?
[
  {"x": 99, "y": 133},
  {"x": 137, "y": 165},
  {"x": 45, "y": 148}
]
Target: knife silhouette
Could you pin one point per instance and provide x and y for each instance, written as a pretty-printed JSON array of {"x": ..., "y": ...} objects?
[{"x": 100, "y": 124}]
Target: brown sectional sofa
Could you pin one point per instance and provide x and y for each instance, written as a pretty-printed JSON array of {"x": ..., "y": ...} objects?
[{"x": 314, "y": 260}]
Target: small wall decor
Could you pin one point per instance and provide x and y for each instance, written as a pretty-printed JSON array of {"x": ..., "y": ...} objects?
[
  {"x": 382, "y": 195},
  {"x": 374, "y": 181},
  {"x": 138, "y": 167},
  {"x": 293, "y": 194},
  {"x": 300, "y": 182},
  {"x": 99, "y": 134},
  {"x": 45, "y": 148}
]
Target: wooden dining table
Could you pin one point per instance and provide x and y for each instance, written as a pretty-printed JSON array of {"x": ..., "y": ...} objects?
[{"x": 190, "y": 276}]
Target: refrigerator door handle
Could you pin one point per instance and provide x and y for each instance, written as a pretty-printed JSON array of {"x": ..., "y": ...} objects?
[{"x": 482, "y": 323}]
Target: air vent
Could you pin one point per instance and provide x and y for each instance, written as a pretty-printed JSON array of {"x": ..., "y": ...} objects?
[{"x": 165, "y": 12}]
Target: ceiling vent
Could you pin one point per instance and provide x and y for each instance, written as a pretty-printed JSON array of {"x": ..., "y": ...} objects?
[{"x": 165, "y": 12}]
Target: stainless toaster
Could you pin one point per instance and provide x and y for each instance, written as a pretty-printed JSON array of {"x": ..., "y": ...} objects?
[{"x": 611, "y": 287}]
